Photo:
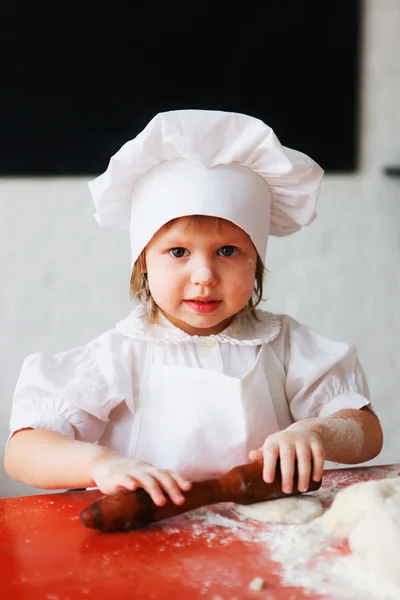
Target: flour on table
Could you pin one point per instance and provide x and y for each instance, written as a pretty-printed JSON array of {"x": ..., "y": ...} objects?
[
  {"x": 308, "y": 556},
  {"x": 256, "y": 584},
  {"x": 368, "y": 515},
  {"x": 294, "y": 509}
]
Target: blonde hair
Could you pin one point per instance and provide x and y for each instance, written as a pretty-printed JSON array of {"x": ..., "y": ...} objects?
[{"x": 140, "y": 289}]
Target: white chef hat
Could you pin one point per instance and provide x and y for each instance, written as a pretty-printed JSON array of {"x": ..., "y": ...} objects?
[{"x": 207, "y": 162}]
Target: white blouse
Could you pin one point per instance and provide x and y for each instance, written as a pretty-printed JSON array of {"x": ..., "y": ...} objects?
[{"x": 90, "y": 393}]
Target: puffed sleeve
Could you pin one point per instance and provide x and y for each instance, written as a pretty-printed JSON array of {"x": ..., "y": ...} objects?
[
  {"x": 322, "y": 376},
  {"x": 70, "y": 392}
]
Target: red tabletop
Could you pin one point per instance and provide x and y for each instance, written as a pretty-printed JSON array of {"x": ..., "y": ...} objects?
[{"x": 47, "y": 554}]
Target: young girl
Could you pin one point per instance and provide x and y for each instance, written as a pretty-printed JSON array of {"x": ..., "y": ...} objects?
[{"x": 195, "y": 380}]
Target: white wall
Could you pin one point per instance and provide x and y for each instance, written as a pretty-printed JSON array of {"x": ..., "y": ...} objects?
[{"x": 63, "y": 280}]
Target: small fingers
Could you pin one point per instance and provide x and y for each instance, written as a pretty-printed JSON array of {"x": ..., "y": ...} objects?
[
  {"x": 303, "y": 455},
  {"x": 287, "y": 457},
  {"x": 183, "y": 483},
  {"x": 117, "y": 482},
  {"x": 271, "y": 453},
  {"x": 296, "y": 444},
  {"x": 170, "y": 484},
  {"x": 149, "y": 483},
  {"x": 318, "y": 455},
  {"x": 256, "y": 454}
]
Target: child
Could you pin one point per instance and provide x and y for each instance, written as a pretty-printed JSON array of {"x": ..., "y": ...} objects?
[{"x": 195, "y": 380}]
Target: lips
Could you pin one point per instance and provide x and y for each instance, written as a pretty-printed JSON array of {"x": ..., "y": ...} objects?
[{"x": 203, "y": 305}]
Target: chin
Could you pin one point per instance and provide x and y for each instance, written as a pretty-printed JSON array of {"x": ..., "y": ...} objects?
[{"x": 203, "y": 323}]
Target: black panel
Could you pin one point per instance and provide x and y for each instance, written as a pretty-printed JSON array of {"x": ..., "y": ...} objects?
[{"x": 78, "y": 83}]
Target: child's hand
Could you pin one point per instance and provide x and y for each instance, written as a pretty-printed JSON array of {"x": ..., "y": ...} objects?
[
  {"x": 112, "y": 474},
  {"x": 295, "y": 443}
]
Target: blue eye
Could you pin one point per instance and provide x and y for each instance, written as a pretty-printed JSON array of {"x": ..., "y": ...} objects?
[
  {"x": 228, "y": 251},
  {"x": 178, "y": 252}
]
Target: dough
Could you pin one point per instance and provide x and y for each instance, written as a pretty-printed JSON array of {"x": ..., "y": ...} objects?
[
  {"x": 368, "y": 514},
  {"x": 294, "y": 509},
  {"x": 355, "y": 502}
]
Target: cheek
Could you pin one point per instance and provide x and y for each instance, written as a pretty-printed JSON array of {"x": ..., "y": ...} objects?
[
  {"x": 163, "y": 281},
  {"x": 158, "y": 281},
  {"x": 243, "y": 284}
]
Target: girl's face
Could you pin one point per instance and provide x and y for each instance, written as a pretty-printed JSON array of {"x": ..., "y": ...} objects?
[{"x": 201, "y": 272}]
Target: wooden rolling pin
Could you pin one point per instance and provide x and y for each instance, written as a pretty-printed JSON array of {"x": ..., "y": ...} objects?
[{"x": 135, "y": 509}]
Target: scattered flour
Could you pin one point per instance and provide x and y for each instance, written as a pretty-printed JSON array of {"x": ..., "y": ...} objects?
[
  {"x": 256, "y": 584},
  {"x": 307, "y": 556},
  {"x": 308, "y": 560},
  {"x": 209, "y": 517}
]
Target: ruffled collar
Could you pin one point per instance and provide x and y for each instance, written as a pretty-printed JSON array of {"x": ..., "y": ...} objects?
[{"x": 243, "y": 331}]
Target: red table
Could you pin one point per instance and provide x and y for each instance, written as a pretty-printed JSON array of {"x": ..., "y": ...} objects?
[{"x": 46, "y": 554}]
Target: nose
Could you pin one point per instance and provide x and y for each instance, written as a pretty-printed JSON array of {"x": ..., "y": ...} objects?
[{"x": 203, "y": 275}]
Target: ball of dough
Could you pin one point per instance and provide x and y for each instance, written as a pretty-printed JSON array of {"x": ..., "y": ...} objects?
[
  {"x": 376, "y": 542},
  {"x": 368, "y": 514},
  {"x": 294, "y": 509},
  {"x": 357, "y": 501}
]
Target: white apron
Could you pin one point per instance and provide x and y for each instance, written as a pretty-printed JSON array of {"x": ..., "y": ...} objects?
[{"x": 198, "y": 422}]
